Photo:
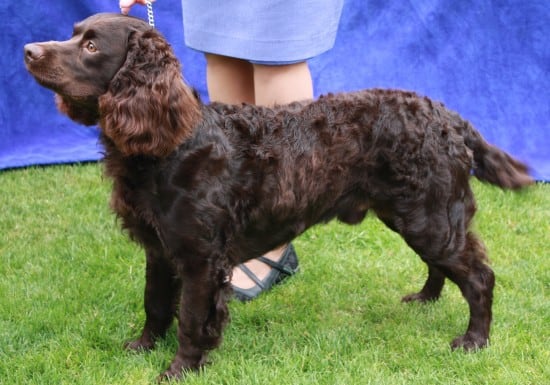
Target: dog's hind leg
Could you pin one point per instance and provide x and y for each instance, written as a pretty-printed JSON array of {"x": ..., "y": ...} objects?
[
  {"x": 439, "y": 234},
  {"x": 476, "y": 281},
  {"x": 161, "y": 292},
  {"x": 432, "y": 288},
  {"x": 436, "y": 278},
  {"x": 465, "y": 266},
  {"x": 463, "y": 261}
]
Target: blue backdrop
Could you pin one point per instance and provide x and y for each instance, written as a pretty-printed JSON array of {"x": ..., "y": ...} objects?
[{"x": 488, "y": 60}]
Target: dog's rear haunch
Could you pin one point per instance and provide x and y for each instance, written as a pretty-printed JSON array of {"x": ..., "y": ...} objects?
[{"x": 205, "y": 187}]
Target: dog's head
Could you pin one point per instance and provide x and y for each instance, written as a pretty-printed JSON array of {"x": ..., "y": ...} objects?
[
  {"x": 80, "y": 69},
  {"x": 118, "y": 71}
]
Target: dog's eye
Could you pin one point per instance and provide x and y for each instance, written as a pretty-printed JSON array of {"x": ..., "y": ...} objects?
[{"x": 90, "y": 46}]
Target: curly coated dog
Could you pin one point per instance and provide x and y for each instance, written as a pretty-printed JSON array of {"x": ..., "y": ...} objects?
[{"x": 205, "y": 187}]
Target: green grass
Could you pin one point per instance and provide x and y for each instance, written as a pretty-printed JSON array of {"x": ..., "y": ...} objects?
[{"x": 71, "y": 293}]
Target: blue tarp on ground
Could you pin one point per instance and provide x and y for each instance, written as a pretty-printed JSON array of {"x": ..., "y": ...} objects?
[{"x": 487, "y": 60}]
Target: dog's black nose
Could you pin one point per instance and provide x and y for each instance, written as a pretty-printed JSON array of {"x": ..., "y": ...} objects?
[{"x": 33, "y": 52}]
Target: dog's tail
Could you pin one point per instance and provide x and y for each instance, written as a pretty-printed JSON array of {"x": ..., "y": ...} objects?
[{"x": 493, "y": 165}]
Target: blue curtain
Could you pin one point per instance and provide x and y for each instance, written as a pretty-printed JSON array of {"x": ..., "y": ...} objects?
[{"x": 487, "y": 60}]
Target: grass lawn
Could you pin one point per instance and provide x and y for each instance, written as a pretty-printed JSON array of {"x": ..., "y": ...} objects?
[{"x": 71, "y": 289}]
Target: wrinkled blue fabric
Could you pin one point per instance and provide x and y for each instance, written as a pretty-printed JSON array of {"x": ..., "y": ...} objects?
[{"x": 487, "y": 60}]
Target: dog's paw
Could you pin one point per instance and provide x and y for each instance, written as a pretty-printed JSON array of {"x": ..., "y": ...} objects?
[
  {"x": 178, "y": 369},
  {"x": 170, "y": 376},
  {"x": 419, "y": 297},
  {"x": 141, "y": 344},
  {"x": 470, "y": 342}
]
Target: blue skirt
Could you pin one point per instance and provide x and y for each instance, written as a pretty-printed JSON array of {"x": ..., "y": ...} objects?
[{"x": 262, "y": 31}]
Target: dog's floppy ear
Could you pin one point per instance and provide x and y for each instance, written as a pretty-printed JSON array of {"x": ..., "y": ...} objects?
[{"x": 148, "y": 109}]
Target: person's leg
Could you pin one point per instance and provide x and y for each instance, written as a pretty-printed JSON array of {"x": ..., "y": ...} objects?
[
  {"x": 234, "y": 81},
  {"x": 282, "y": 84},
  {"x": 229, "y": 80}
]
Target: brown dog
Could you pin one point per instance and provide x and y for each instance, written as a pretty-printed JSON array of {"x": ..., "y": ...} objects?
[{"x": 206, "y": 187}]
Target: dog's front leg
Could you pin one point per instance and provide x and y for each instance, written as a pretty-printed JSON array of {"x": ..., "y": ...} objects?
[
  {"x": 203, "y": 314},
  {"x": 160, "y": 300}
]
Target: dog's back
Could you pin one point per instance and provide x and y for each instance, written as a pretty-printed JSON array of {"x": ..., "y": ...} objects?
[{"x": 373, "y": 144}]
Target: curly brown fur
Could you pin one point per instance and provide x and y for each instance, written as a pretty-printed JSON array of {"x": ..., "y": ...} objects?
[{"x": 205, "y": 187}]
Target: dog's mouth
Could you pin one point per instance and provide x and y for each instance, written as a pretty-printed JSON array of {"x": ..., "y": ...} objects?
[
  {"x": 50, "y": 77},
  {"x": 53, "y": 78},
  {"x": 45, "y": 76}
]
